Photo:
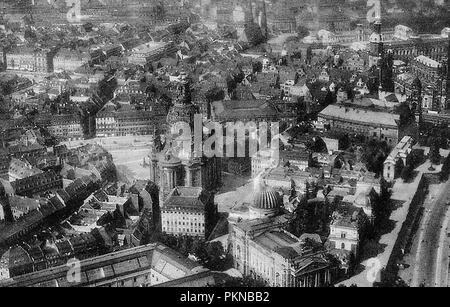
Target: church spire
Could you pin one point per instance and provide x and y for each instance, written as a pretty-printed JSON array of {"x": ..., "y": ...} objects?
[
  {"x": 263, "y": 20},
  {"x": 249, "y": 18},
  {"x": 447, "y": 99}
]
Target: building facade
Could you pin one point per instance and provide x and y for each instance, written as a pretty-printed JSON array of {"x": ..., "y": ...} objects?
[
  {"x": 70, "y": 61},
  {"x": 381, "y": 126},
  {"x": 150, "y": 52},
  {"x": 400, "y": 152},
  {"x": 262, "y": 248},
  {"x": 32, "y": 60},
  {"x": 142, "y": 266},
  {"x": 188, "y": 212}
]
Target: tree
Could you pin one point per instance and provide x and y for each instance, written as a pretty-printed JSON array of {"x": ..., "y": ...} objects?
[
  {"x": 445, "y": 171},
  {"x": 407, "y": 116},
  {"x": 302, "y": 32},
  {"x": 381, "y": 206},
  {"x": 217, "y": 259},
  {"x": 435, "y": 155},
  {"x": 298, "y": 225},
  {"x": 374, "y": 155},
  {"x": 415, "y": 158},
  {"x": 71, "y": 174},
  {"x": 399, "y": 166},
  {"x": 245, "y": 282},
  {"x": 407, "y": 173}
]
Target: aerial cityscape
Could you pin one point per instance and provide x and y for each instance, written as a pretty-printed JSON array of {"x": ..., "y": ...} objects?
[{"x": 224, "y": 144}]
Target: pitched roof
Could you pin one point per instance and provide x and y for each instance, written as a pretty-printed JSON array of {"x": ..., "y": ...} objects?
[{"x": 360, "y": 115}]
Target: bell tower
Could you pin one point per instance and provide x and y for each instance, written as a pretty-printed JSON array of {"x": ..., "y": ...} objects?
[
  {"x": 416, "y": 99},
  {"x": 447, "y": 90},
  {"x": 376, "y": 45}
]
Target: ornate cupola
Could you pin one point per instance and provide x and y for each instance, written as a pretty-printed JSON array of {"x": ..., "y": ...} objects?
[
  {"x": 183, "y": 110},
  {"x": 266, "y": 201}
]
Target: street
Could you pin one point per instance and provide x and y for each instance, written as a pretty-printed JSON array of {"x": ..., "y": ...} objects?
[{"x": 428, "y": 264}]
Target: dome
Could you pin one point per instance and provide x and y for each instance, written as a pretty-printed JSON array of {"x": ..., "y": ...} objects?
[{"x": 267, "y": 199}]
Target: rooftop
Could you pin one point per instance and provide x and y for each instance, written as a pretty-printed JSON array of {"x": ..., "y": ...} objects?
[{"x": 360, "y": 115}]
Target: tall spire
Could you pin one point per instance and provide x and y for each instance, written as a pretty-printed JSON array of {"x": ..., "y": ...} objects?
[
  {"x": 249, "y": 19},
  {"x": 263, "y": 23},
  {"x": 447, "y": 99}
]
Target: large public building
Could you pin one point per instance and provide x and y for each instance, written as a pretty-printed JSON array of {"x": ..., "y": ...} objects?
[{"x": 263, "y": 249}]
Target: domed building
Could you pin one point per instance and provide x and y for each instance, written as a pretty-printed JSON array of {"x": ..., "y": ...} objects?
[
  {"x": 266, "y": 203},
  {"x": 262, "y": 247},
  {"x": 174, "y": 164}
]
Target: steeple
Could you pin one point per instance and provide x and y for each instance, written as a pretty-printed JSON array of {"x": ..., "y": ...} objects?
[
  {"x": 263, "y": 20},
  {"x": 183, "y": 109},
  {"x": 416, "y": 98},
  {"x": 447, "y": 99},
  {"x": 376, "y": 45},
  {"x": 249, "y": 18}
]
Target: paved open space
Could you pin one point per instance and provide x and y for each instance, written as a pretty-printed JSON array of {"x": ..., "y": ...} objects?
[{"x": 128, "y": 153}]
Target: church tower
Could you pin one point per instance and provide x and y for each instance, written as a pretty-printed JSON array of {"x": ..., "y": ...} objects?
[
  {"x": 416, "y": 99},
  {"x": 263, "y": 20},
  {"x": 376, "y": 45},
  {"x": 447, "y": 90},
  {"x": 249, "y": 17}
]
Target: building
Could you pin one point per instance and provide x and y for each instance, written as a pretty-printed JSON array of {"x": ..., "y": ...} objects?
[
  {"x": 150, "y": 52},
  {"x": 400, "y": 152},
  {"x": 426, "y": 69},
  {"x": 263, "y": 160},
  {"x": 435, "y": 47},
  {"x": 344, "y": 235},
  {"x": 127, "y": 121},
  {"x": 141, "y": 266},
  {"x": 178, "y": 163},
  {"x": 262, "y": 248},
  {"x": 45, "y": 13},
  {"x": 188, "y": 211},
  {"x": 70, "y": 61},
  {"x": 28, "y": 59},
  {"x": 381, "y": 126},
  {"x": 22, "y": 151},
  {"x": 37, "y": 184},
  {"x": 66, "y": 127},
  {"x": 20, "y": 169},
  {"x": 26, "y": 258},
  {"x": 244, "y": 111}
]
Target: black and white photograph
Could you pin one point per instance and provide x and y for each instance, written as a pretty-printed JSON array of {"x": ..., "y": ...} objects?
[{"x": 210, "y": 145}]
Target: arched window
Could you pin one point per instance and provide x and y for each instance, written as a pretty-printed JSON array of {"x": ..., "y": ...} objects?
[{"x": 343, "y": 246}]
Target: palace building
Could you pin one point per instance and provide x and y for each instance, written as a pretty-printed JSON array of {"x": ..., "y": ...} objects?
[
  {"x": 262, "y": 248},
  {"x": 382, "y": 126}
]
